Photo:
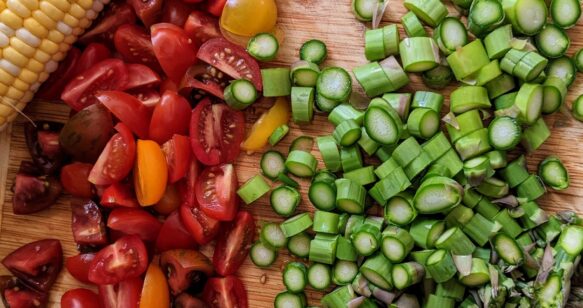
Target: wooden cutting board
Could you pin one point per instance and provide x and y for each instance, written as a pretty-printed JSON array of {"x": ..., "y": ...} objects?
[{"x": 332, "y": 22}]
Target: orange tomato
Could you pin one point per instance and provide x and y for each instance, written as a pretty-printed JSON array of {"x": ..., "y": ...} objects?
[
  {"x": 155, "y": 290},
  {"x": 249, "y": 17},
  {"x": 276, "y": 116},
  {"x": 170, "y": 201},
  {"x": 150, "y": 173}
]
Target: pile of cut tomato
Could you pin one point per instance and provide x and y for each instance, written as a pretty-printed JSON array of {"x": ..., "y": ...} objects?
[{"x": 147, "y": 156}]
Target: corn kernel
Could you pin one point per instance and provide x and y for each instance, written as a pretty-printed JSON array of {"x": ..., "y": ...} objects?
[
  {"x": 42, "y": 18},
  {"x": 18, "y": 8},
  {"x": 86, "y": 4},
  {"x": 28, "y": 76},
  {"x": 49, "y": 47},
  {"x": 35, "y": 66},
  {"x": 20, "y": 85},
  {"x": 77, "y": 11},
  {"x": 59, "y": 56},
  {"x": 11, "y": 19},
  {"x": 3, "y": 40},
  {"x": 22, "y": 47},
  {"x": 52, "y": 11},
  {"x": 43, "y": 76},
  {"x": 14, "y": 93},
  {"x": 34, "y": 27},
  {"x": 9, "y": 67},
  {"x": 55, "y": 36},
  {"x": 28, "y": 95},
  {"x": 70, "y": 39},
  {"x": 6, "y": 78},
  {"x": 3, "y": 89},
  {"x": 14, "y": 57},
  {"x": 62, "y": 5},
  {"x": 84, "y": 23},
  {"x": 2, "y": 5},
  {"x": 41, "y": 56},
  {"x": 71, "y": 21},
  {"x": 30, "y": 4}
]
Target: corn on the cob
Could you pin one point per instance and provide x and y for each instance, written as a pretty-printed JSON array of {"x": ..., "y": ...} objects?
[{"x": 34, "y": 36}]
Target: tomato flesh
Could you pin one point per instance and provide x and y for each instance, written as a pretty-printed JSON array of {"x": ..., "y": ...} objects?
[
  {"x": 233, "y": 245},
  {"x": 116, "y": 160},
  {"x": 78, "y": 266},
  {"x": 74, "y": 180},
  {"x": 141, "y": 76},
  {"x": 87, "y": 223},
  {"x": 187, "y": 270},
  {"x": 92, "y": 54},
  {"x": 53, "y": 87},
  {"x": 216, "y": 192},
  {"x": 178, "y": 155},
  {"x": 216, "y": 7},
  {"x": 173, "y": 234},
  {"x": 124, "y": 259},
  {"x": 171, "y": 116},
  {"x": 33, "y": 192},
  {"x": 79, "y": 298},
  {"x": 126, "y": 294},
  {"x": 174, "y": 50},
  {"x": 119, "y": 194},
  {"x": 134, "y": 45},
  {"x": 202, "y": 27},
  {"x": 201, "y": 80},
  {"x": 225, "y": 292},
  {"x": 134, "y": 221},
  {"x": 148, "y": 97},
  {"x": 148, "y": 11},
  {"x": 201, "y": 227}
]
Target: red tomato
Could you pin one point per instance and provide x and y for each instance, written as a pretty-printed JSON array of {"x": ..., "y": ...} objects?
[
  {"x": 117, "y": 159},
  {"x": 202, "y": 78},
  {"x": 149, "y": 97},
  {"x": 134, "y": 221},
  {"x": 186, "y": 300},
  {"x": 171, "y": 116},
  {"x": 34, "y": 192},
  {"x": 79, "y": 298},
  {"x": 141, "y": 76},
  {"x": 187, "y": 270},
  {"x": 148, "y": 11},
  {"x": 178, "y": 155},
  {"x": 124, "y": 259},
  {"x": 134, "y": 45},
  {"x": 216, "y": 131},
  {"x": 202, "y": 27},
  {"x": 216, "y": 192},
  {"x": 215, "y": 7},
  {"x": 127, "y": 109},
  {"x": 53, "y": 87},
  {"x": 173, "y": 234},
  {"x": 116, "y": 15},
  {"x": 235, "y": 61},
  {"x": 93, "y": 54},
  {"x": 119, "y": 194},
  {"x": 126, "y": 294},
  {"x": 189, "y": 188},
  {"x": 176, "y": 12},
  {"x": 14, "y": 294},
  {"x": 168, "y": 84},
  {"x": 201, "y": 227},
  {"x": 78, "y": 266},
  {"x": 87, "y": 223},
  {"x": 233, "y": 245},
  {"x": 110, "y": 74},
  {"x": 36, "y": 264},
  {"x": 74, "y": 180},
  {"x": 174, "y": 50},
  {"x": 226, "y": 292}
]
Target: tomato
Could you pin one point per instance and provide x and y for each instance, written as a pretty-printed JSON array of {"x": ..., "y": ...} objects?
[
  {"x": 201, "y": 227},
  {"x": 124, "y": 259},
  {"x": 201, "y": 79},
  {"x": 119, "y": 194},
  {"x": 215, "y": 7},
  {"x": 126, "y": 294},
  {"x": 202, "y": 27},
  {"x": 216, "y": 192},
  {"x": 149, "y": 97},
  {"x": 171, "y": 116},
  {"x": 87, "y": 223},
  {"x": 74, "y": 180},
  {"x": 173, "y": 234},
  {"x": 233, "y": 245},
  {"x": 176, "y": 12},
  {"x": 168, "y": 84},
  {"x": 33, "y": 192},
  {"x": 150, "y": 173},
  {"x": 36, "y": 264},
  {"x": 216, "y": 132},
  {"x": 155, "y": 291},
  {"x": 187, "y": 270},
  {"x": 189, "y": 188},
  {"x": 178, "y": 155},
  {"x": 127, "y": 109},
  {"x": 225, "y": 292},
  {"x": 134, "y": 221},
  {"x": 93, "y": 54},
  {"x": 170, "y": 201},
  {"x": 110, "y": 74},
  {"x": 52, "y": 87},
  {"x": 79, "y": 298},
  {"x": 134, "y": 45},
  {"x": 148, "y": 11},
  {"x": 141, "y": 76},
  {"x": 15, "y": 295},
  {"x": 186, "y": 300},
  {"x": 174, "y": 50},
  {"x": 78, "y": 266},
  {"x": 116, "y": 160},
  {"x": 249, "y": 17},
  {"x": 231, "y": 59},
  {"x": 262, "y": 129},
  {"x": 116, "y": 15},
  {"x": 42, "y": 141}
]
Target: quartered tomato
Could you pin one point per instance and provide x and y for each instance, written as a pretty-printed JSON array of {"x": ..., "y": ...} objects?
[
  {"x": 78, "y": 266},
  {"x": 168, "y": 84},
  {"x": 170, "y": 201},
  {"x": 127, "y": 109},
  {"x": 87, "y": 223},
  {"x": 42, "y": 141},
  {"x": 124, "y": 259},
  {"x": 174, "y": 50},
  {"x": 173, "y": 234},
  {"x": 171, "y": 116},
  {"x": 36, "y": 264},
  {"x": 187, "y": 270},
  {"x": 231, "y": 59},
  {"x": 110, "y": 74},
  {"x": 53, "y": 87},
  {"x": 126, "y": 294},
  {"x": 201, "y": 79},
  {"x": 155, "y": 290},
  {"x": 148, "y": 11},
  {"x": 202, "y": 27},
  {"x": 134, "y": 221},
  {"x": 262, "y": 129},
  {"x": 201, "y": 227},
  {"x": 149, "y": 97},
  {"x": 150, "y": 173},
  {"x": 176, "y": 12},
  {"x": 33, "y": 192},
  {"x": 92, "y": 54},
  {"x": 134, "y": 45},
  {"x": 216, "y": 132},
  {"x": 215, "y": 7},
  {"x": 119, "y": 194},
  {"x": 79, "y": 298},
  {"x": 216, "y": 192},
  {"x": 116, "y": 160},
  {"x": 141, "y": 76},
  {"x": 178, "y": 155},
  {"x": 189, "y": 188},
  {"x": 225, "y": 292},
  {"x": 186, "y": 300},
  {"x": 233, "y": 245},
  {"x": 74, "y": 180},
  {"x": 116, "y": 15},
  {"x": 14, "y": 294}
]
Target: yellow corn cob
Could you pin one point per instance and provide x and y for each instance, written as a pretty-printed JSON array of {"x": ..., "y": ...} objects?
[{"x": 34, "y": 36}]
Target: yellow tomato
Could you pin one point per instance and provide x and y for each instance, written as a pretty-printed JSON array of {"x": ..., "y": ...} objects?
[
  {"x": 170, "y": 201},
  {"x": 276, "y": 116},
  {"x": 249, "y": 17},
  {"x": 150, "y": 173},
  {"x": 155, "y": 290}
]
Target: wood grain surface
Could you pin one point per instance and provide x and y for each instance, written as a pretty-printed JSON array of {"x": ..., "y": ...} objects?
[{"x": 328, "y": 20}]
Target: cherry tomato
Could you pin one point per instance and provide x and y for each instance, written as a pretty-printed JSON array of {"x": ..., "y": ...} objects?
[
  {"x": 171, "y": 116},
  {"x": 134, "y": 45},
  {"x": 155, "y": 291},
  {"x": 87, "y": 223},
  {"x": 215, "y": 7},
  {"x": 116, "y": 15},
  {"x": 53, "y": 87},
  {"x": 119, "y": 194},
  {"x": 74, "y": 180},
  {"x": 236, "y": 62},
  {"x": 79, "y": 298},
  {"x": 78, "y": 266},
  {"x": 150, "y": 173},
  {"x": 201, "y": 80},
  {"x": 201, "y": 227},
  {"x": 216, "y": 132},
  {"x": 126, "y": 294},
  {"x": 174, "y": 50},
  {"x": 36, "y": 264},
  {"x": 173, "y": 234},
  {"x": 277, "y": 115},
  {"x": 128, "y": 110},
  {"x": 176, "y": 12},
  {"x": 42, "y": 142},
  {"x": 216, "y": 192},
  {"x": 202, "y": 27},
  {"x": 141, "y": 76},
  {"x": 148, "y": 97},
  {"x": 225, "y": 292},
  {"x": 186, "y": 300},
  {"x": 178, "y": 155},
  {"x": 170, "y": 201},
  {"x": 233, "y": 245},
  {"x": 116, "y": 160},
  {"x": 124, "y": 259},
  {"x": 148, "y": 11},
  {"x": 134, "y": 221},
  {"x": 33, "y": 192},
  {"x": 14, "y": 294},
  {"x": 92, "y": 54},
  {"x": 187, "y": 270},
  {"x": 168, "y": 84},
  {"x": 110, "y": 74},
  {"x": 188, "y": 190}
]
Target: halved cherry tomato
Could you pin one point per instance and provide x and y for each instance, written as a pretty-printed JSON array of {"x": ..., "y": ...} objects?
[
  {"x": 126, "y": 294},
  {"x": 110, "y": 74},
  {"x": 186, "y": 300},
  {"x": 135, "y": 45},
  {"x": 174, "y": 50},
  {"x": 215, "y": 7},
  {"x": 187, "y": 270},
  {"x": 155, "y": 290},
  {"x": 127, "y": 109},
  {"x": 116, "y": 15},
  {"x": 188, "y": 190},
  {"x": 79, "y": 298},
  {"x": 78, "y": 266},
  {"x": 148, "y": 11},
  {"x": 231, "y": 59},
  {"x": 74, "y": 180},
  {"x": 233, "y": 245},
  {"x": 173, "y": 234},
  {"x": 119, "y": 194},
  {"x": 124, "y": 259},
  {"x": 201, "y": 227},
  {"x": 176, "y": 12},
  {"x": 92, "y": 54},
  {"x": 171, "y": 116},
  {"x": 150, "y": 173},
  {"x": 276, "y": 116},
  {"x": 149, "y": 97},
  {"x": 202, "y": 27},
  {"x": 141, "y": 76},
  {"x": 43, "y": 145},
  {"x": 36, "y": 264},
  {"x": 116, "y": 160},
  {"x": 178, "y": 155},
  {"x": 33, "y": 192},
  {"x": 216, "y": 192},
  {"x": 134, "y": 221},
  {"x": 170, "y": 201},
  {"x": 53, "y": 87},
  {"x": 14, "y": 294},
  {"x": 168, "y": 84},
  {"x": 201, "y": 79},
  {"x": 87, "y": 223},
  {"x": 226, "y": 292},
  {"x": 216, "y": 132}
]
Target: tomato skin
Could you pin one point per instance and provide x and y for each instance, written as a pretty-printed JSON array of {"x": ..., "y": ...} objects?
[
  {"x": 186, "y": 300},
  {"x": 74, "y": 180},
  {"x": 79, "y": 298},
  {"x": 189, "y": 188},
  {"x": 116, "y": 160},
  {"x": 52, "y": 87},
  {"x": 170, "y": 201},
  {"x": 201, "y": 227},
  {"x": 87, "y": 223},
  {"x": 155, "y": 290},
  {"x": 141, "y": 76},
  {"x": 178, "y": 156},
  {"x": 116, "y": 15},
  {"x": 233, "y": 245},
  {"x": 150, "y": 173},
  {"x": 134, "y": 45},
  {"x": 174, "y": 50},
  {"x": 173, "y": 234},
  {"x": 202, "y": 27},
  {"x": 119, "y": 194},
  {"x": 124, "y": 259},
  {"x": 33, "y": 192},
  {"x": 127, "y": 109},
  {"x": 168, "y": 84},
  {"x": 187, "y": 270},
  {"x": 190, "y": 82},
  {"x": 225, "y": 292},
  {"x": 215, "y": 7},
  {"x": 222, "y": 202},
  {"x": 92, "y": 54},
  {"x": 14, "y": 294},
  {"x": 176, "y": 12},
  {"x": 78, "y": 266},
  {"x": 148, "y": 11},
  {"x": 134, "y": 221},
  {"x": 126, "y": 294},
  {"x": 171, "y": 116},
  {"x": 149, "y": 97}
]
